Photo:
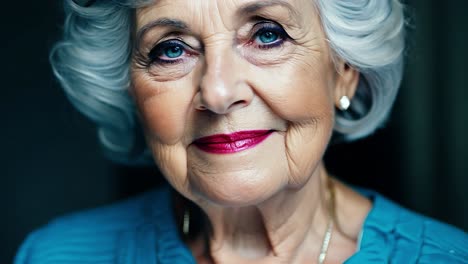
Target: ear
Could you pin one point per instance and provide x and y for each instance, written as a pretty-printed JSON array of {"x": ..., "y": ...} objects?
[{"x": 347, "y": 79}]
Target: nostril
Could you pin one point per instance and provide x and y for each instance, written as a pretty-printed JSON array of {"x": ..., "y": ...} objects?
[
  {"x": 237, "y": 104},
  {"x": 240, "y": 102}
]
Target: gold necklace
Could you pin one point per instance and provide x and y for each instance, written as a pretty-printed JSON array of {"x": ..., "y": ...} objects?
[
  {"x": 331, "y": 215},
  {"x": 325, "y": 242}
]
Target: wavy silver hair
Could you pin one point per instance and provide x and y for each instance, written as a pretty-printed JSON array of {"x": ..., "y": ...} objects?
[{"x": 92, "y": 63}]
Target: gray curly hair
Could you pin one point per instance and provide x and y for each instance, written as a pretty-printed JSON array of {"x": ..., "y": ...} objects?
[{"x": 92, "y": 63}]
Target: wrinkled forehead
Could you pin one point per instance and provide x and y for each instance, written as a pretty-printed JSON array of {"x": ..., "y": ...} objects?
[{"x": 223, "y": 14}]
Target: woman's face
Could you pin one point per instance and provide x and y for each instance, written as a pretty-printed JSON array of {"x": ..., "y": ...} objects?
[{"x": 236, "y": 96}]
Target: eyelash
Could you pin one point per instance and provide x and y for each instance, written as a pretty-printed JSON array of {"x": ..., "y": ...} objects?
[
  {"x": 158, "y": 51},
  {"x": 155, "y": 54},
  {"x": 269, "y": 26}
]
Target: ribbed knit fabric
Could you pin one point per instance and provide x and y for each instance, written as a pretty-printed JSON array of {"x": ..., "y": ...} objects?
[{"x": 143, "y": 230}]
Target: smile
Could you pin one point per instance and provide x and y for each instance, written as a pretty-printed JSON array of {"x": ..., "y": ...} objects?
[{"x": 231, "y": 143}]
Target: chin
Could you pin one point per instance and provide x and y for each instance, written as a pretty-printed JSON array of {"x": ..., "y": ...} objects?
[
  {"x": 242, "y": 179},
  {"x": 238, "y": 189}
]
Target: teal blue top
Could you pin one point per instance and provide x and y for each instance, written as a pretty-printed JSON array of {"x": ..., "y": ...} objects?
[{"x": 143, "y": 230}]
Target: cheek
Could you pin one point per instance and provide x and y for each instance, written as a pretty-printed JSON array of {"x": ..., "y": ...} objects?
[
  {"x": 163, "y": 108},
  {"x": 297, "y": 93},
  {"x": 302, "y": 95}
]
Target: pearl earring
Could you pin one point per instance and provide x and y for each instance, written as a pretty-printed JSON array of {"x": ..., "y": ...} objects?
[{"x": 344, "y": 103}]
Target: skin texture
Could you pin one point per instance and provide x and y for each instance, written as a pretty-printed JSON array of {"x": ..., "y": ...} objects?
[{"x": 266, "y": 204}]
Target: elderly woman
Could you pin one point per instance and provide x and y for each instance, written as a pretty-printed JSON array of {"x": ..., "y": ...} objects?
[{"x": 236, "y": 102}]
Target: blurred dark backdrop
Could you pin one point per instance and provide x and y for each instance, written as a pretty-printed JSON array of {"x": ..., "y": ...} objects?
[{"x": 51, "y": 162}]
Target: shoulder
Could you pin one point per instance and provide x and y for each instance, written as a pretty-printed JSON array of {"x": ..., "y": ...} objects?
[
  {"x": 396, "y": 234},
  {"x": 96, "y": 234}
]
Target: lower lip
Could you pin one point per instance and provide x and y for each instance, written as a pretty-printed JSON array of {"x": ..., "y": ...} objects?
[{"x": 232, "y": 143}]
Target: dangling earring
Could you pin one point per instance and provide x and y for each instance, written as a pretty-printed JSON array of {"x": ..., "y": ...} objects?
[
  {"x": 186, "y": 223},
  {"x": 344, "y": 103}
]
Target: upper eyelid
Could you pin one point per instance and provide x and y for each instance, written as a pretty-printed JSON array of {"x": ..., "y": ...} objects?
[
  {"x": 178, "y": 33},
  {"x": 279, "y": 27},
  {"x": 175, "y": 36},
  {"x": 165, "y": 38},
  {"x": 188, "y": 50},
  {"x": 266, "y": 25},
  {"x": 153, "y": 56},
  {"x": 178, "y": 40},
  {"x": 144, "y": 44}
]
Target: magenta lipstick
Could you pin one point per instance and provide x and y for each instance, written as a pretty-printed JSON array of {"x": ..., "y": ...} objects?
[{"x": 232, "y": 143}]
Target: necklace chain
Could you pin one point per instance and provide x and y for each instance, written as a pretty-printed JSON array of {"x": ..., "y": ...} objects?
[
  {"x": 326, "y": 242},
  {"x": 331, "y": 215}
]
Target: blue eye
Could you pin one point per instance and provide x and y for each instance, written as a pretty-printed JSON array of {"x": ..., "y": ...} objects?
[
  {"x": 173, "y": 51},
  {"x": 268, "y": 37}
]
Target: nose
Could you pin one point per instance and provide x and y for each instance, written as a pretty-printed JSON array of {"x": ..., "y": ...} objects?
[{"x": 223, "y": 87}]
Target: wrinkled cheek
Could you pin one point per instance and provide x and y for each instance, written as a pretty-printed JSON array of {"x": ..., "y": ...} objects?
[
  {"x": 305, "y": 147},
  {"x": 165, "y": 123},
  {"x": 164, "y": 116},
  {"x": 172, "y": 162},
  {"x": 306, "y": 144},
  {"x": 163, "y": 112},
  {"x": 302, "y": 98},
  {"x": 307, "y": 107},
  {"x": 161, "y": 122},
  {"x": 306, "y": 103},
  {"x": 311, "y": 119}
]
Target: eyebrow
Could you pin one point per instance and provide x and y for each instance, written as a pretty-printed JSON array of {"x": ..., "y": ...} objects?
[
  {"x": 161, "y": 22},
  {"x": 246, "y": 9},
  {"x": 256, "y": 6}
]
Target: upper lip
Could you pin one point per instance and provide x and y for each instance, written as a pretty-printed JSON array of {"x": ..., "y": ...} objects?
[{"x": 233, "y": 137}]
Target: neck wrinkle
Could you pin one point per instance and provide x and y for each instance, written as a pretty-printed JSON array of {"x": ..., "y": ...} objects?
[{"x": 284, "y": 228}]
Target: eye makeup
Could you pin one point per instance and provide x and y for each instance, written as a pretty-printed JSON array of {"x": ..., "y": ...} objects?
[
  {"x": 268, "y": 35},
  {"x": 170, "y": 52},
  {"x": 264, "y": 35},
  {"x": 168, "y": 48}
]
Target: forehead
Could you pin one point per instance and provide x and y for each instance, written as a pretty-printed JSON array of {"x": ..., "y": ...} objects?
[{"x": 226, "y": 13}]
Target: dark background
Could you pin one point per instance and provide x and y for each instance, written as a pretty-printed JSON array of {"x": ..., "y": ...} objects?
[{"x": 51, "y": 162}]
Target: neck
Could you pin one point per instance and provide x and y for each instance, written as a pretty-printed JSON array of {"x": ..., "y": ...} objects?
[{"x": 287, "y": 227}]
